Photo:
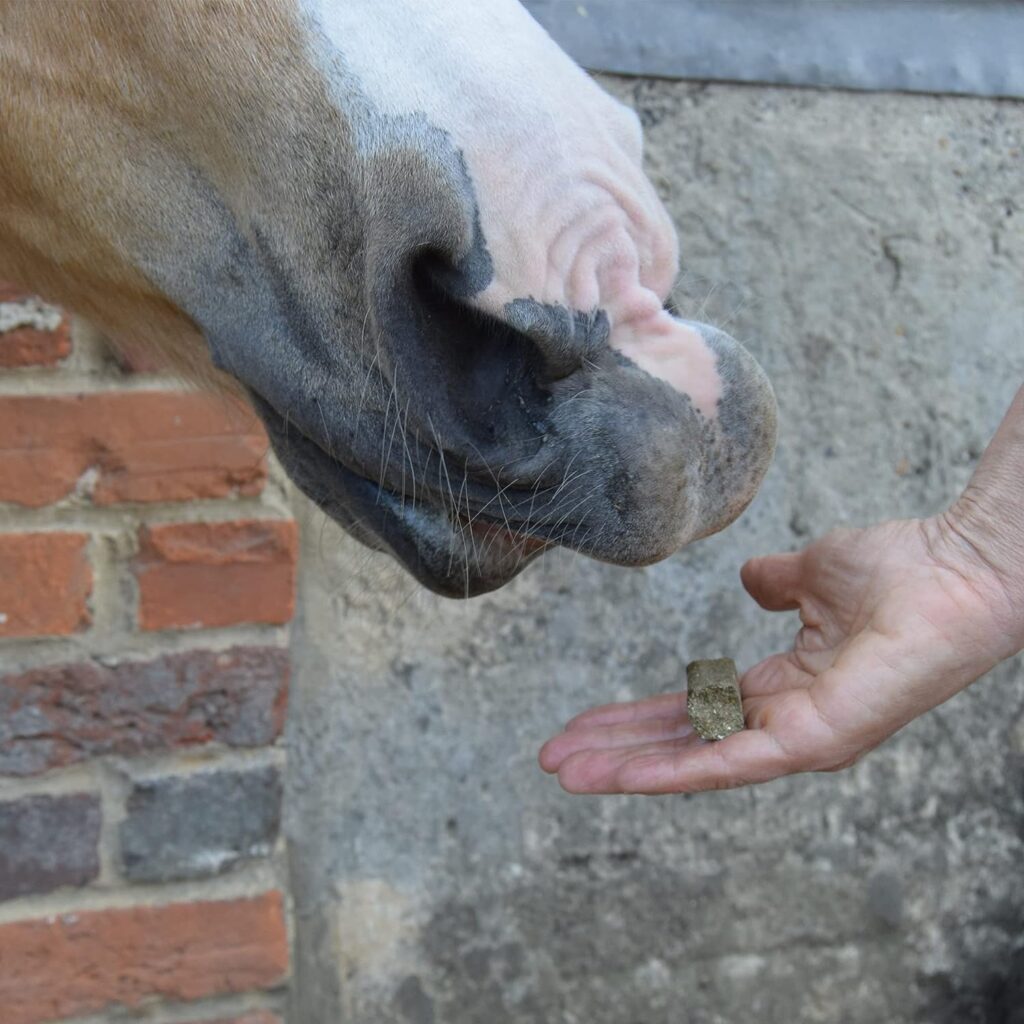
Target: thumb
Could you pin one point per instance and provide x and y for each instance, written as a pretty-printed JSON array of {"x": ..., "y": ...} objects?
[{"x": 774, "y": 581}]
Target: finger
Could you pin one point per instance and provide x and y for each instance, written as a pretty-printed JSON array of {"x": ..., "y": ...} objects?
[
  {"x": 665, "y": 705},
  {"x": 774, "y": 581},
  {"x": 751, "y": 756},
  {"x": 612, "y": 737},
  {"x": 595, "y": 771}
]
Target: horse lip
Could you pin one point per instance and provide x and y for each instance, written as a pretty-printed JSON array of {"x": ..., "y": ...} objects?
[
  {"x": 491, "y": 529},
  {"x": 422, "y": 537},
  {"x": 454, "y": 558}
]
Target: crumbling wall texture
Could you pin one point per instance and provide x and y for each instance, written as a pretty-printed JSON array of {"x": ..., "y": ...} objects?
[
  {"x": 147, "y": 576},
  {"x": 870, "y": 250}
]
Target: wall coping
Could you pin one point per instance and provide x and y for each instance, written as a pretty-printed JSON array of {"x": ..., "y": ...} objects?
[{"x": 966, "y": 47}]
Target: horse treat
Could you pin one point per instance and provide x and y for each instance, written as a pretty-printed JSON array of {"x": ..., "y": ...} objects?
[{"x": 713, "y": 699}]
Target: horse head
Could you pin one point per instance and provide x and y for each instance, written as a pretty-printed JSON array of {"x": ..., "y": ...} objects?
[{"x": 419, "y": 238}]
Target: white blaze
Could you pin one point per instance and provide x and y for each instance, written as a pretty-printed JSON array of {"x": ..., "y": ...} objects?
[{"x": 567, "y": 213}]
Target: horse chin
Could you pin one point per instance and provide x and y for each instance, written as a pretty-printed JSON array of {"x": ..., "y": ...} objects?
[
  {"x": 452, "y": 556},
  {"x": 448, "y": 554},
  {"x": 445, "y": 551}
]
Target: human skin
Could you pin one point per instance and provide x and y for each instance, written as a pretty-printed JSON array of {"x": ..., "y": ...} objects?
[{"x": 896, "y": 619}]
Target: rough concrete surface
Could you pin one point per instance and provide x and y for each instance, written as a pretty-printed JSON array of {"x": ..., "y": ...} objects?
[{"x": 870, "y": 251}]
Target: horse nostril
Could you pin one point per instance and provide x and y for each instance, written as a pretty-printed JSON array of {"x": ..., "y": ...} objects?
[
  {"x": 476, "y": 375},
  {"x": 484, "y": 362},
  {"x": 549, "y": 341},
  {"x": 567, "y": 339}
]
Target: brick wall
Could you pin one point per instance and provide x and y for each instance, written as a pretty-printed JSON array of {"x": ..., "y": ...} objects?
[{"x": 147, "y": 576}]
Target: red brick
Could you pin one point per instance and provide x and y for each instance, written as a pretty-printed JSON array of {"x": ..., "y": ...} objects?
[
  {"x": 143, "y": 446},
  {"x": 60, "y": 715},
  {"x": 74, "y": 964},
  {"x": 45, "y": 583},
  {"x": 198, "y": 826},
  {"x": 27, "y": 346},
  {"x": 216, "y": 574},
  {"x": 49, "y": 841},
  {"x": 31, "y": 344}
]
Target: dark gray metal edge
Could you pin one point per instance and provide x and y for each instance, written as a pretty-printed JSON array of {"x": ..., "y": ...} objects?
[{"x": 966, "y": 47}]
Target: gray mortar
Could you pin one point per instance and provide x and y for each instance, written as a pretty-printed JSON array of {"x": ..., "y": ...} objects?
[{"x": 870, "y": 250}]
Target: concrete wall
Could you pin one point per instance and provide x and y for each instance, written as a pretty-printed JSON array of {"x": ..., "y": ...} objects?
[{"x": 870, "y": 250}]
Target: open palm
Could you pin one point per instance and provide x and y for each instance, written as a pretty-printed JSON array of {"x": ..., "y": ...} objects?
[{"x": 896, "y": 619}]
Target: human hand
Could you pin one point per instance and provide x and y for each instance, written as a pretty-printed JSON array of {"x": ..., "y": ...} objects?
[{"x": 897, "y": 618}]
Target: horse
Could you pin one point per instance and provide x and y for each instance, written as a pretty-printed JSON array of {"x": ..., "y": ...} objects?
[{"x": 417, "y": 238}]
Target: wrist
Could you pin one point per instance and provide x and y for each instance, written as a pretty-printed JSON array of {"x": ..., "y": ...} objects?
[{"x": 984, "y": 545}]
